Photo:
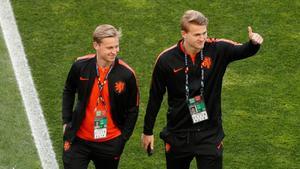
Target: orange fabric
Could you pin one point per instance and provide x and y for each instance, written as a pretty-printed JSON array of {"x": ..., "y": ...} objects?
[
  {"x": 167, "y": 147},
  {"x": 228, "y": 41},
  {"x": 193, "y": 57},
  {"x": 88, "y": 56},
  {"x": 210, "y": 40},
  {"x": 86, "y": 130}
]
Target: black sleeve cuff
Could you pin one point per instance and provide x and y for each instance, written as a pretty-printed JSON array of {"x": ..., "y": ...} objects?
[{"x": 148, "y": 132}]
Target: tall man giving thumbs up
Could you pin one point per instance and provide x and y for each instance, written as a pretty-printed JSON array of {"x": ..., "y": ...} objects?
[{"x": 192, "y": 72}]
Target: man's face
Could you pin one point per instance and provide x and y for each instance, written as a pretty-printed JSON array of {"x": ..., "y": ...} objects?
[
  {"x": 195, "y": 36},
  {"x": 108, "y": 49}
]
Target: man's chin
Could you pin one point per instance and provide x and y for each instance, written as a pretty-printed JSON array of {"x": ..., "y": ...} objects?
[
  {"x": 201, "y": 46},
  {"x": 112, "y": 60}
]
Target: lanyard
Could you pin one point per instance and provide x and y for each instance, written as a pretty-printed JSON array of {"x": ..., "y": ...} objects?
[
  {"x": 187, "y": 90},
  {"x": 101, "y": 85}
]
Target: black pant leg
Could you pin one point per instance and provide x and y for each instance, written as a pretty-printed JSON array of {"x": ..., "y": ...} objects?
[
  {"x": 77, "y": 156},
  {"x": 106, "y": 155},
  {"x": 107, "y": 163},
  {"x": 174, "y": 162},
  {"x": 209, "y": 161}
]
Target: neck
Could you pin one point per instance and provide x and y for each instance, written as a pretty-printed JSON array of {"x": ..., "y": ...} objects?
[
  {"x": 190, "y": 50},
  {"x": 103, "y": 63}
]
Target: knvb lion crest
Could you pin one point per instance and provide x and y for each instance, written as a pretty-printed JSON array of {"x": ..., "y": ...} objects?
[
  {"x": 120, "y": 87},
  {"x": 206, "y": 63}
]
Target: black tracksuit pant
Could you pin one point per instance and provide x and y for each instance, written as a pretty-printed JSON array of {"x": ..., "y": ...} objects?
[
  {"x": 204, "y": 145},
  {"x": 105, "y": 155},
  {"x": 203, "y": 161}
]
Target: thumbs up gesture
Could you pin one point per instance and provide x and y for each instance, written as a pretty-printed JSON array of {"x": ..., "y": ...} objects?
[{"x": 254, "y": 37}]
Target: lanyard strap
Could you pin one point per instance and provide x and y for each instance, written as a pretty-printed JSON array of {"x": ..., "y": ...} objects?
[
  {"x": 187, "y": 90},
  {"x": 101, "y": 85}
]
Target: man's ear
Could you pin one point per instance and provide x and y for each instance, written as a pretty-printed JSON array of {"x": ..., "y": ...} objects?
[
  {"x": 95, "y": 45},
  {"x": 183, "y": 34}
]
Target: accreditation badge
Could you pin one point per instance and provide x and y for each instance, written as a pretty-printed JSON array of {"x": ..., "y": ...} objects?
[
  {"x": 100, "y": 125},
  {"x": 197, "y": 109}
]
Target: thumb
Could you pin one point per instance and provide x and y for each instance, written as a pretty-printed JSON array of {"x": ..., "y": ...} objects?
[
  {"x": 250, "y": 32},
  {"x": 152, "y": 144}
]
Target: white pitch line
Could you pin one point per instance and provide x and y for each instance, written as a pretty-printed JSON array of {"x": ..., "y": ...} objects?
[{"x": 26, "y": 86}]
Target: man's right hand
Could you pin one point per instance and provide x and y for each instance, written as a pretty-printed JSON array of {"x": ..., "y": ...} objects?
[{"x": 147, "y": 140}]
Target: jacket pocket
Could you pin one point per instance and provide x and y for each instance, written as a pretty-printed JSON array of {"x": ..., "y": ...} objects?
[
  {"x": 179, "y": 139},
  {"x": 165, "y": 135},
  {"x": 174, "y": 139}
]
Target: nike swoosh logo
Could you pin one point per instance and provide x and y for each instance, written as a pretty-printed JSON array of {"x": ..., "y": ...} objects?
[
  {"x": 82, "y": 78},
  {"x": 177, "y": 70}
]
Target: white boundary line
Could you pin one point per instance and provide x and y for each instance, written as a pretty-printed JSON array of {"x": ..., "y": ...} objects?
[{"x": 26, "y": 86}]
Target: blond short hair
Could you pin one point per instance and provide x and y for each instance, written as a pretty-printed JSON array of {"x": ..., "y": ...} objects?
[
  {"x": 105, "y": 31},
  {"x": 192, "y": 17}
]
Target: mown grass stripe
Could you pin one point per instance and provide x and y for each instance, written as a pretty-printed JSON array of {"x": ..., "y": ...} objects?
[{"x": 26, "y": 86}]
